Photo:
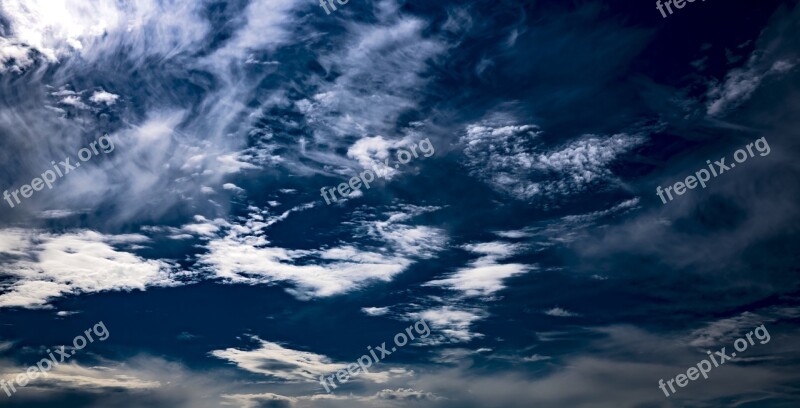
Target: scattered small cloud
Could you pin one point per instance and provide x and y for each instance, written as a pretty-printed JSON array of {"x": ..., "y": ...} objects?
[
  {"x": 559, "y": 312},
  {"x": 375, "y": 311}
]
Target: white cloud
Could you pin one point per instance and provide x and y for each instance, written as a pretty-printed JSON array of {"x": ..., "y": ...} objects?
[
  {"x": 65, "y": 313},
  {"x": 154, "y": 167},
  {"x": 740, "y": 84},
  {"x": 512, "y": 160},
  {"x": 14, "y": 241},
  {"x": 232, "y": 163},
  {"x": 535, "y": 358},
  {"x": 73, "y": 376},
  {"x": 372, "y": 153},
  {"x": 54, "y": 214},
  {"x": 480, "y": 280},
  {"x": 64, "y": 92},
  {"x": 495, "y": 249},
  {"x": 101, "y": 96},
  {"x": 203, "y": 226},
  {"x": 240, "y": 253},
  {"x": 484, "y": 276},
  {"x": 727, "y": 330},
  {"x": 412, "y": 240},
  {"x": 14, "y": 57},
  {"x": 559, "y": 312},
  {"x": 232, "y": 187},
  {"x": 245, "y": 259},
  {"x": 93, "y": 28},
  {"x": 382, "y": 399},
  {"x": 584, "y": 160},
  {"x": 260, "y": 400},
  {"x": 457, "y": 355},
  {"x": 514, "y": 234},
  {"x": 74, "y": 101},
  {"x": 616, "y": 209},
  {"x": 138, "y": 381},
  {"x": 76, "y": 377},
  {"x": 375, "y": 311},
  {"x": 380, "y": 69},
  {"x": 282, "y": 363},
  {"x": 267, "y": 24},
  {"x": 774, "y": 56},
  {"x": 406, "y": 394},
  {"x": 55, "y": 265},
  {"x": 242, "y": 259},
  {"x": 150, "y": 174},
  {"x": 451, "y": 324}
]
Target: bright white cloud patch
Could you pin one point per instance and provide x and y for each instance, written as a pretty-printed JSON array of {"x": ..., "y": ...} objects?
[
  {"x": 280, "y": 362},
  {"x": 372, "y": 153},
  {"x": 481, "y": 280},
  {"x": 375, "y": 311},
  {"x": 14, "y": 57},
  {"x": 232, "y": 187},
  {"x": 57, "y": 28},
  {"x": 54, "y": 265},
  {"x": 104, "y": 97},
  {"x": 74, "y": 101},
  {"x": 484, "y": 276}
]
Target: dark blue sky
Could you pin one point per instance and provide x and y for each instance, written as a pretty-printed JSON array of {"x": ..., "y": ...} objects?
[{"x": 532, "y": 241}]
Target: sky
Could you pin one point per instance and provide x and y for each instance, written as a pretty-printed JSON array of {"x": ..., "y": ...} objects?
[{"x": 556, "y": 203}]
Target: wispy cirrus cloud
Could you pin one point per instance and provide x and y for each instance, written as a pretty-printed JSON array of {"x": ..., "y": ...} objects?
[{"x": 775, "y": 57}]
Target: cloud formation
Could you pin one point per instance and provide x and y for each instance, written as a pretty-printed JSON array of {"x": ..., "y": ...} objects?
[{"x": 44, "y": 266}]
